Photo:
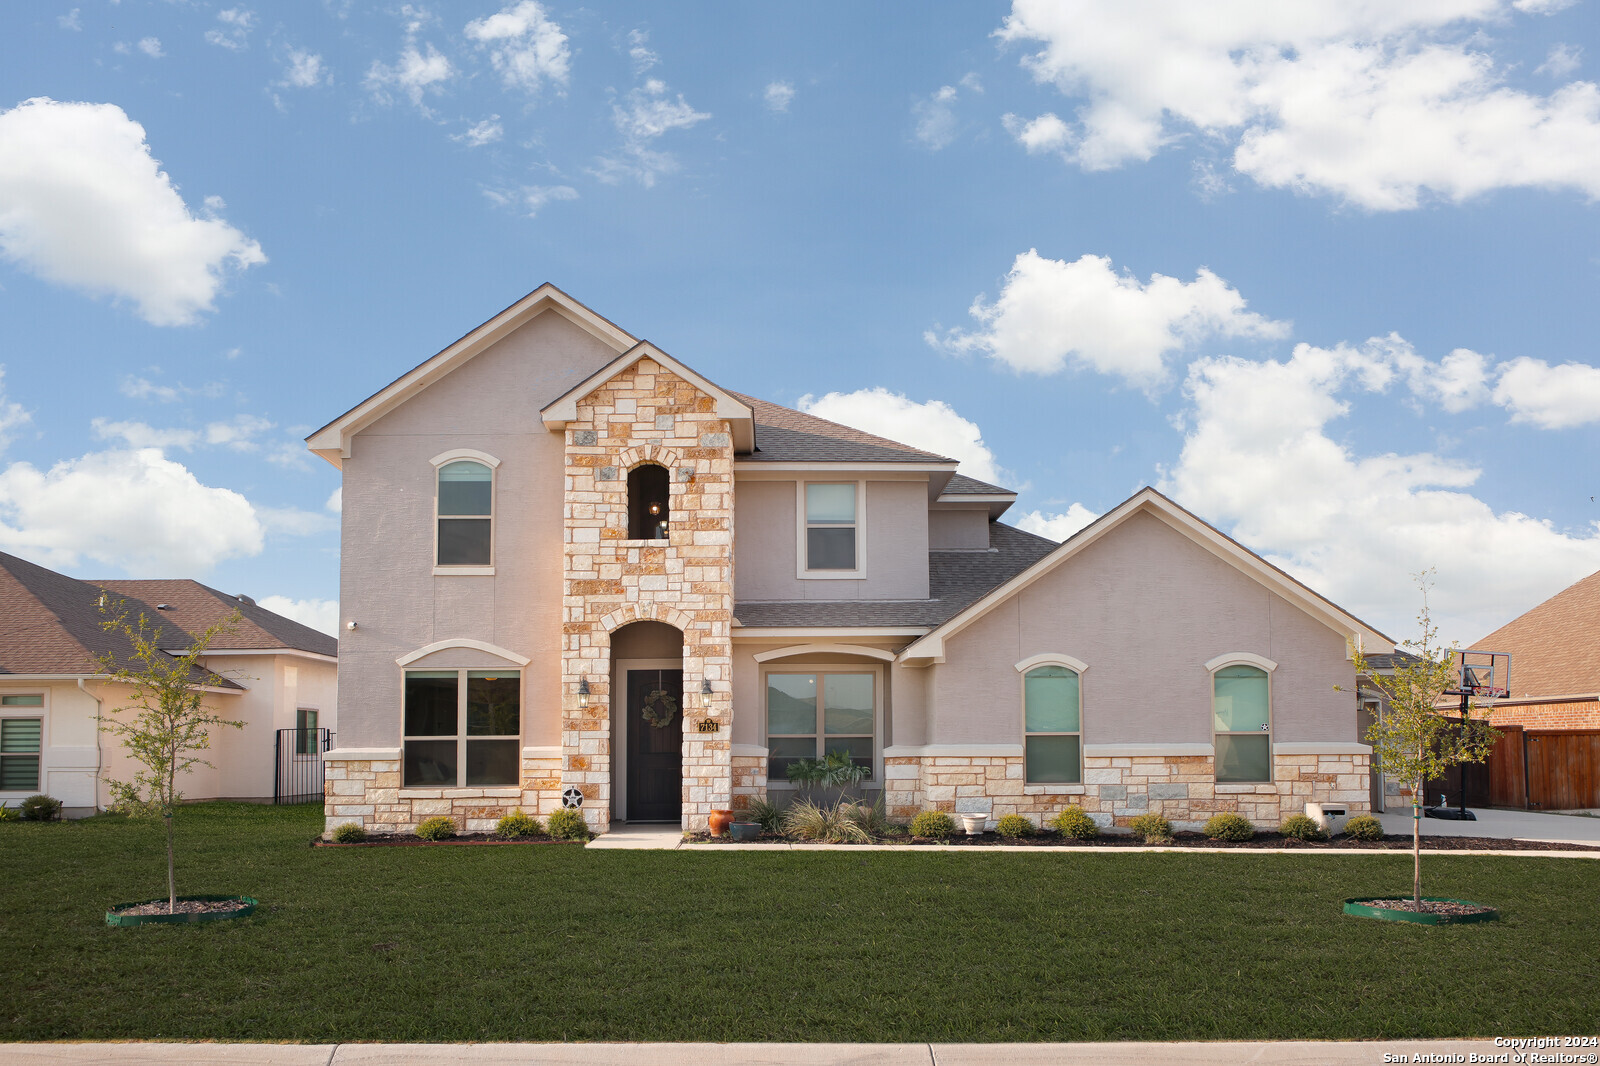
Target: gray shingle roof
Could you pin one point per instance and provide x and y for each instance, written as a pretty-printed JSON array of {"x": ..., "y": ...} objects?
[
  {"x": 785, "y": 435},
  {"x": 195, "y": 606},
  {"x": 962, "y": 485},
  {"x": 955, "y": 579}
]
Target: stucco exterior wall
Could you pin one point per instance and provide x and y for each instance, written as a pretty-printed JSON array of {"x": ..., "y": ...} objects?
[
  {"x": 1145, "y": 609},
  {"x": 958, "y": 530},
  {"x": 491, "y": 404},
  {"x": 67, "y": 743},
  {"x": 896, "y": 533}
]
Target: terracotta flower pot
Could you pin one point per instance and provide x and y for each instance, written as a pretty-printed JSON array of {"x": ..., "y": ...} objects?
[{"x": 720, "y": 820}]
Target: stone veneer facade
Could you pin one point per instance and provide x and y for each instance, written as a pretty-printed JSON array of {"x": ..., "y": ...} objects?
[
  {"x": 648, "y": 414},
  {"x": 1116, "y": 789},
  {"x": 367, "y": 791}
]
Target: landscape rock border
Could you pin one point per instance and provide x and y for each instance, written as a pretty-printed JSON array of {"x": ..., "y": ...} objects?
[
  {"x": 247, "y": 908},
  {"x": 1365, "y": 907}
]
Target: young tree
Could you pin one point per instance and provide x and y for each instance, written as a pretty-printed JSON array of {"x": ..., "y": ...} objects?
[
  {"x": 1414, "y": 742},
  {"x": 168, "y": 723}
]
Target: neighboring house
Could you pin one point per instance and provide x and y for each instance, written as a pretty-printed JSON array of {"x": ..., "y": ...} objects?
[
  {"x": 577, "y": 571},
  {"x": 269, "y": 672}
]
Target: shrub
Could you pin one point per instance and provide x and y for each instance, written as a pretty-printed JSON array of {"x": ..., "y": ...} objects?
[
  {"x": 1152, "y": 827},
  {"x": 1075, "y": 823},
  {"x": 436, "y": 828},
  {"x": 838, "y": 823},
  {"x": 1234, "y": 827},
  {"x": 568, "y": 824},
  {"x": 1013, "y": 826},
  {"x": 935, "y": 824},
  {"x": 871, "y": 818},
  {"x": 9, "y": 814},
  {"x": 517, "y": 825},
  {"x": 767, "y": 814},
  {"x": 349, "y": 833},
  {"x": 1301, "y": 827},
  {"x": 41, "y": 809},
  {"x": 1364, "y": 827}
]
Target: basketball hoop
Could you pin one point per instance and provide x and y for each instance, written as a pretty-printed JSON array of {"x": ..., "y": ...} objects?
[{"x": 1486, "y": 674}]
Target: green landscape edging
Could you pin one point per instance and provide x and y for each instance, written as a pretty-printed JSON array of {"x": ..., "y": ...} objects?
[
  {"x": 1360, "y": 906},
  {"x": 113, "y": 918}
]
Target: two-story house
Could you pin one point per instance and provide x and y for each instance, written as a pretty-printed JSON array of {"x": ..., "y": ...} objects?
[{"x": 575, "y": 571}]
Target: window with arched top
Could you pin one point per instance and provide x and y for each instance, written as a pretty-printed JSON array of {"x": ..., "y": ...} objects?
[
  {"x": 649, "y": 502},
  {"x": 1052, "y": 709},
  {"x": 465, "y": 513},
  {"x": 1241, "y": 711}
]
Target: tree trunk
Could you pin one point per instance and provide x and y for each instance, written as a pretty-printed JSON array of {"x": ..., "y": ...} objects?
[
  {"x": 1416, "y": 838},
  {"x": 172, "y": 884}
]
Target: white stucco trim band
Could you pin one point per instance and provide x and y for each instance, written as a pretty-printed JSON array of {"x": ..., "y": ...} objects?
[
  {"x": 361, "y": 755},
  {"x": 1112, "y": 751},
  {"x": 1051, "y": 658},
  {"x": 546, "y": 751},
  {"x": 475, "y": 645},
  {"x": 824, "y": 649},
  {"x": 970, "y": 751},
  {"x": 465, "y": 453},
  {"x": 1240, "y": 658}
]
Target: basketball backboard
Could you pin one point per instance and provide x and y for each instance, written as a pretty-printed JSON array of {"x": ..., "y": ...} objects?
[{"x": 1483, "y": 673}]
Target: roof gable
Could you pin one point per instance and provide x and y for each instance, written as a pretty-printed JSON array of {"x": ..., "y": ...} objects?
[
  {"x": 564, "y": 408},
  {"x": 930, "y": 648},
  {"x": 1554, "y": 647},
  {"x": 332, "y": 441}
]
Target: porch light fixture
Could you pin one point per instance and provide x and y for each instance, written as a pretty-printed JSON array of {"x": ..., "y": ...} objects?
[
  {"x": 705, "y": 686},
  {"x": 583, "y": 692},
  {"x": 655, "y": 508}
]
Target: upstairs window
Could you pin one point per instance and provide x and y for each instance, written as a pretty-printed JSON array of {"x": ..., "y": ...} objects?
[
  {"x": 462, "y": 727},
  {"x": 831, "y": 527},
  {"x": 1241, "y": 706},
  {"x": 465, "y": 514},
  {"x": 649, "y": 499}
]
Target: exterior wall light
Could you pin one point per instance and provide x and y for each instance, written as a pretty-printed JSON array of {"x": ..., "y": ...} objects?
[{"x": 583, "y": 692}]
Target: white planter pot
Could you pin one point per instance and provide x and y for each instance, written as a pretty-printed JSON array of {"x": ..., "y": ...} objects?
[{"x": 973, "y": 823}]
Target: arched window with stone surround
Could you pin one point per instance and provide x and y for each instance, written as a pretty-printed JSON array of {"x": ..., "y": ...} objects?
[{"x": 649, "y": 500}]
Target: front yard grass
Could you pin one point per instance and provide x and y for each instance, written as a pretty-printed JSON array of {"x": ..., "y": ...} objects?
[{"x": 553, "y": 942}]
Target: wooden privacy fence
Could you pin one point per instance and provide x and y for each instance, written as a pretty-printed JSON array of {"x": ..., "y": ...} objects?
[{"x": 1536, "y": 769}]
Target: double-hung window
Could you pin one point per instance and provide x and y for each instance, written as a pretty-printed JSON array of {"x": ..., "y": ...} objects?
[
  {"x": 465, "y": 513},
  {"x": 1053, "y": 725},
  {"x": 1241, "y": 711},
  {"x": 832, "y": 527},
  {"x": 306, "y": 735},
  {"x": 812, "y": 714},
  {"x": 462, "y": 728},
  {"x": 21, "y": 742}
]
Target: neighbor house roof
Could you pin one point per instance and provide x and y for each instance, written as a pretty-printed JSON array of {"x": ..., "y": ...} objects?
[
  {"x": 192, "y": 607},
  {"x": 955, "y": 579},
  {"x": 929, "y": 649},
  {"x": 1555, "y": 647},
  {"x": 50, "y": 625}
]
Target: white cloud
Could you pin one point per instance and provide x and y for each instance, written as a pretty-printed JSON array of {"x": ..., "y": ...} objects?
[
  {"x": 234, "y": 32},
  {"x": 1551, "y": 397},
  {"x": 130, "y": 509},
  {"x": 1047, "y": 133},
  {"x": 83, "y": 203},
  {"x": 13, "y": 416},
  {"x": 70, "y": 21},
  {"x": 1056, "y": 527},
  {"x": 645, "y": 115},
  {"x": 936, "y": 117},
  {"x": 415, "y": 74},
  {"x": 481, "y": 133},
  {"x": 321, "y": 615},
  {"x": 1542, "y": 7},
  {"x": 1258, "y": 459},
  {"x": 779, "y": 95},
  {"x": 933, "y": 426},
  {"x": 303, "y": 70},
  {"x": 1052, "y": 314},
  {"x": 151, "y": 46},
  {"x": 531, "y": 198},
  {"x": 1456, "y": 383},
  {"x": 1563, "y": 60},
  {"x": 238, "y": 433},
  {"x": 639, "y": 51},
  {"x": 140, "y": 435},
  {"x": 336, "y": 501},
  {"x": 526, "y": 47},
  {"x": 1380, "y": 104}
]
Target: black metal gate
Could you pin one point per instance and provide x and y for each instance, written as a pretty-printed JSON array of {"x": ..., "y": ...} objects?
[{"x": 300, "y": 775}]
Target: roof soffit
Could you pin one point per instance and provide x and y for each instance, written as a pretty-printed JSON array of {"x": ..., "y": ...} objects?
[{"x": 332, "y": 441}]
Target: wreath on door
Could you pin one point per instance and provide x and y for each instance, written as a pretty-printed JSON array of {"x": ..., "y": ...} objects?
[{"x": 660, "y": 708}]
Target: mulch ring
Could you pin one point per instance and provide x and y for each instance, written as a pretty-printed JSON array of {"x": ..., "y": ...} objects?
[
  {"x": 1200, "y": 842},
  {"x": 411, "y": 840},
  {"x": 1450, "y": 907},
  {"x": 185, "y": 906}
]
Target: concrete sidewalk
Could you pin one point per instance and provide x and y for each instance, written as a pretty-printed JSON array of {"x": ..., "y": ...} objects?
[
  {"x": 1291, "y": 1053},
  {"x": 1501, "y": 825}
]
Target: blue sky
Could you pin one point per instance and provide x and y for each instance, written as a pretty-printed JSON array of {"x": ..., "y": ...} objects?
[{"x": 1322, "y": 272}]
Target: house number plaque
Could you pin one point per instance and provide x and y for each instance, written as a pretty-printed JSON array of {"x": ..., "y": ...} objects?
[{"x": 706, "y": 725}]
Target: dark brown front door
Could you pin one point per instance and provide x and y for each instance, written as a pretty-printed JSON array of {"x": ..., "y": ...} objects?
[{"x": 655, "y": 745}]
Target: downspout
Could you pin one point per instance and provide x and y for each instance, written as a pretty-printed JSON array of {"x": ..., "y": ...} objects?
[{"x": 99, "y": 758}]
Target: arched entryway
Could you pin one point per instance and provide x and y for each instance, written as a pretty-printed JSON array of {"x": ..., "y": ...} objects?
[{"x": 647, "y": 722}]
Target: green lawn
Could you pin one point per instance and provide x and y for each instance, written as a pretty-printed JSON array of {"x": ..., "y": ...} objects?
[{"x": 559, "y": 943}]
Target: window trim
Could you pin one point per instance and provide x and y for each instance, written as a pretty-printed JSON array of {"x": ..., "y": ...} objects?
[
  {"x": 873, "y": 780},
  {"x": 1024, "y": 668},
  {"x": 1267, "y": 667},
  {"x": 460, "y": 736},
  {"x": 803, "y": 569},
  {"x": 42, "y": 713},
  {"x": 438, "y": 462}
]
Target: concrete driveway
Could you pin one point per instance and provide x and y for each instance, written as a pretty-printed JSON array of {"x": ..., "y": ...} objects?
[{"x": 1501, "y": 825}]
